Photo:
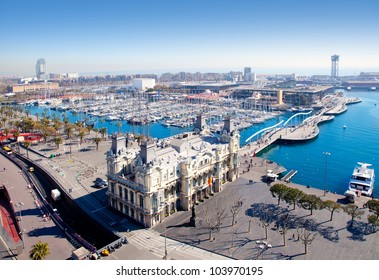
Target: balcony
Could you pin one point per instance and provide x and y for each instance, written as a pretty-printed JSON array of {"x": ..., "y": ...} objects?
[{"x": 126, "y": 180}]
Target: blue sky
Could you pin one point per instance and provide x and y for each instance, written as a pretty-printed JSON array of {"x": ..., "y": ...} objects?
[{"x": 155, "y": 36}]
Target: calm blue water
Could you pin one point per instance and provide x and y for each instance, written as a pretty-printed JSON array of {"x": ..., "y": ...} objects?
[{"x": 358, "y": 142}]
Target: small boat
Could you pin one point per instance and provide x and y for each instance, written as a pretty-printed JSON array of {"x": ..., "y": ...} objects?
[
  {"x": 344, "y": 127},
  {"x": 362, "y": 180}
]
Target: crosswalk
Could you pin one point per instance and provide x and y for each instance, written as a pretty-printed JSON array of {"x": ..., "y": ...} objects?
[{"x": 152, "y": 241}]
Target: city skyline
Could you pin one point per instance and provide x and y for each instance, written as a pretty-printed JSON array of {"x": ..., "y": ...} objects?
[{"x": 159, "y": 36}]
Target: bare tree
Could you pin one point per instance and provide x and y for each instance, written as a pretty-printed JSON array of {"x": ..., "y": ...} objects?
[
  {"x": 235, "y": 208},
  {"x": 307, "y": 238},
  {"x": 232, "y": 245},
  {"x": 211, "y": 224},
  {"x": 220, "y": 215},
  {"x": 265, "y": 220},
  {"x": 283, "y": 227}
]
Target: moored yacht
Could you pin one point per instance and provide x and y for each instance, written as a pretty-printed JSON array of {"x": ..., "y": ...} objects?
[{"x": 362, "y": 180}]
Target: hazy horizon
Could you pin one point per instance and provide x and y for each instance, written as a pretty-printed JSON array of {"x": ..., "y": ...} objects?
[{"x": 172, "y": 36}]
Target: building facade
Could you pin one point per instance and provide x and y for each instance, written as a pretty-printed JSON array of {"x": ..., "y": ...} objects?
[
  {"x": 152, "y": 180},
  {"x": 143, "y": 83},
  {"x": 34, "y": 87}
]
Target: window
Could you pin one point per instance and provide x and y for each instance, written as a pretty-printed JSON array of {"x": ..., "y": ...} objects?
[
  {"x": 126, "y": 210},
  {"x": 131, "y": 197},
  {"x": 126, "y": 194},
  {"x": 132, "y": 212},
  {"x": 141, "y": 201},
  {"x": 141, "y": 218},
  {"x": 120, "y": 191},
  {"x": 121, "y": 207}
]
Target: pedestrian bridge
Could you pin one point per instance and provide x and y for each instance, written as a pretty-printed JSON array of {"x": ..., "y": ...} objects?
[{"x": 298, "y": 118}]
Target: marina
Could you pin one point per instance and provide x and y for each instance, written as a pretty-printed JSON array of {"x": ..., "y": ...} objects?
[{"x": 249, "y": 122}]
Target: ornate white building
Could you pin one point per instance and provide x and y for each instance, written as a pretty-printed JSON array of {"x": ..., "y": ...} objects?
[{"x": 152, "y": 180}]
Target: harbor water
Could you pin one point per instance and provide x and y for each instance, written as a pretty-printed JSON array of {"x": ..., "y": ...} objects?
[
  {"x": 358, "y": 142},
  {"x": 350, "y": 138}
]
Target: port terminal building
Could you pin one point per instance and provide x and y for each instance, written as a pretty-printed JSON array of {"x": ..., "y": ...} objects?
[
  {"x": 150, "y": 180},
  {"x": 305, "y": 95}
]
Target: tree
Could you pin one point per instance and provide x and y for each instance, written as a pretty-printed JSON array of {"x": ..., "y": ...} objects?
[
  {"x": 373, "y": 220},
  {"x": 279, "y": 191},
  {"x": 293, "y": 196},
  {"x": 81, "y": 135},
  {"x": 96, "y": 141},
  {"x": 58, "y": 141},
  {"x": 47, "y": 131},
  {"x": 6, "y": 132},
  {"x": 306, "y": 238},
  {"x": 235, "y": 208},
  {"x": 353, "y": 211},
  {"x": 373, "y": 206},
  {"x": 332, "y": 206},
  {"x": 16, "y": 134},
  {"x": 39, "y": 251},
  {"x": 311, "y": 202},
  {"x": 220, "y": 215},
  {"x": 102, "y": 131},
  {"x": 265, "y": 220},
  {"x": 119, "y": 125},
  {"x": 27, "y": 145},
  {"x": 211, "y": 224}
]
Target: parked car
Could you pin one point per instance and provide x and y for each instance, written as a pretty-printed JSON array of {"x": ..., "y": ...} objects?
[{"x": 99, "y": 182}]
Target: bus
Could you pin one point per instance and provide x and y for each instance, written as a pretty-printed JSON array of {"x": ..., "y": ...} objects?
[{"x": 7, "y": 150}]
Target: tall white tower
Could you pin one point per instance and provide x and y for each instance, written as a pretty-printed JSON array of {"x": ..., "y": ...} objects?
[
  {"x": 41, "y": 69},
  {"x": 335, "y": 60}
]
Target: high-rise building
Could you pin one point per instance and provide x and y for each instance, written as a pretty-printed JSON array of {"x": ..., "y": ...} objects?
[
  {"x": 335, "y": 60},
  {"x": 247, "y": 74},
  {"x": 41, "y": 69}
]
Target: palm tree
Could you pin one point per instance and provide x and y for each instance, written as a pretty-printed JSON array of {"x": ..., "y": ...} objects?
[
  {"x": 6, "y": 132},
  {"x": 37, "y": 116},
  {"x": 3, "y": 121},
  {"x": 16, "y": 134},
  {"x": 39, "y": 251},
  {"x": 81, "y": 135},
  {"x": 96, "y": 140},
  {"x": 119, "y": 125},
  {"x": 102, "y": 131},
  {"x": 27, "y": 145},
  {"x": 58, "y": 141}
]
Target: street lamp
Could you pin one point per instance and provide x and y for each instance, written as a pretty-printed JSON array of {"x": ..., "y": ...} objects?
[
  {"x": 165, "y": 230},
  {"x": 263, "y": 246},
  {"x": 326, "y": 165}
]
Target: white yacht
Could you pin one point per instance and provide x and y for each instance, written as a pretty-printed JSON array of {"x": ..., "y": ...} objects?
[{"x": 362, "y": 180}]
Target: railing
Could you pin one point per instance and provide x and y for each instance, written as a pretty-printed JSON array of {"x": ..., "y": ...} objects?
[{"x": 128, "y": 182}]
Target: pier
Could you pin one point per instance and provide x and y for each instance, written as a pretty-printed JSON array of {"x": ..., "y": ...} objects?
[
  {"x": 300, "y": 127},
  {"x": 289, "y": 175}
]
